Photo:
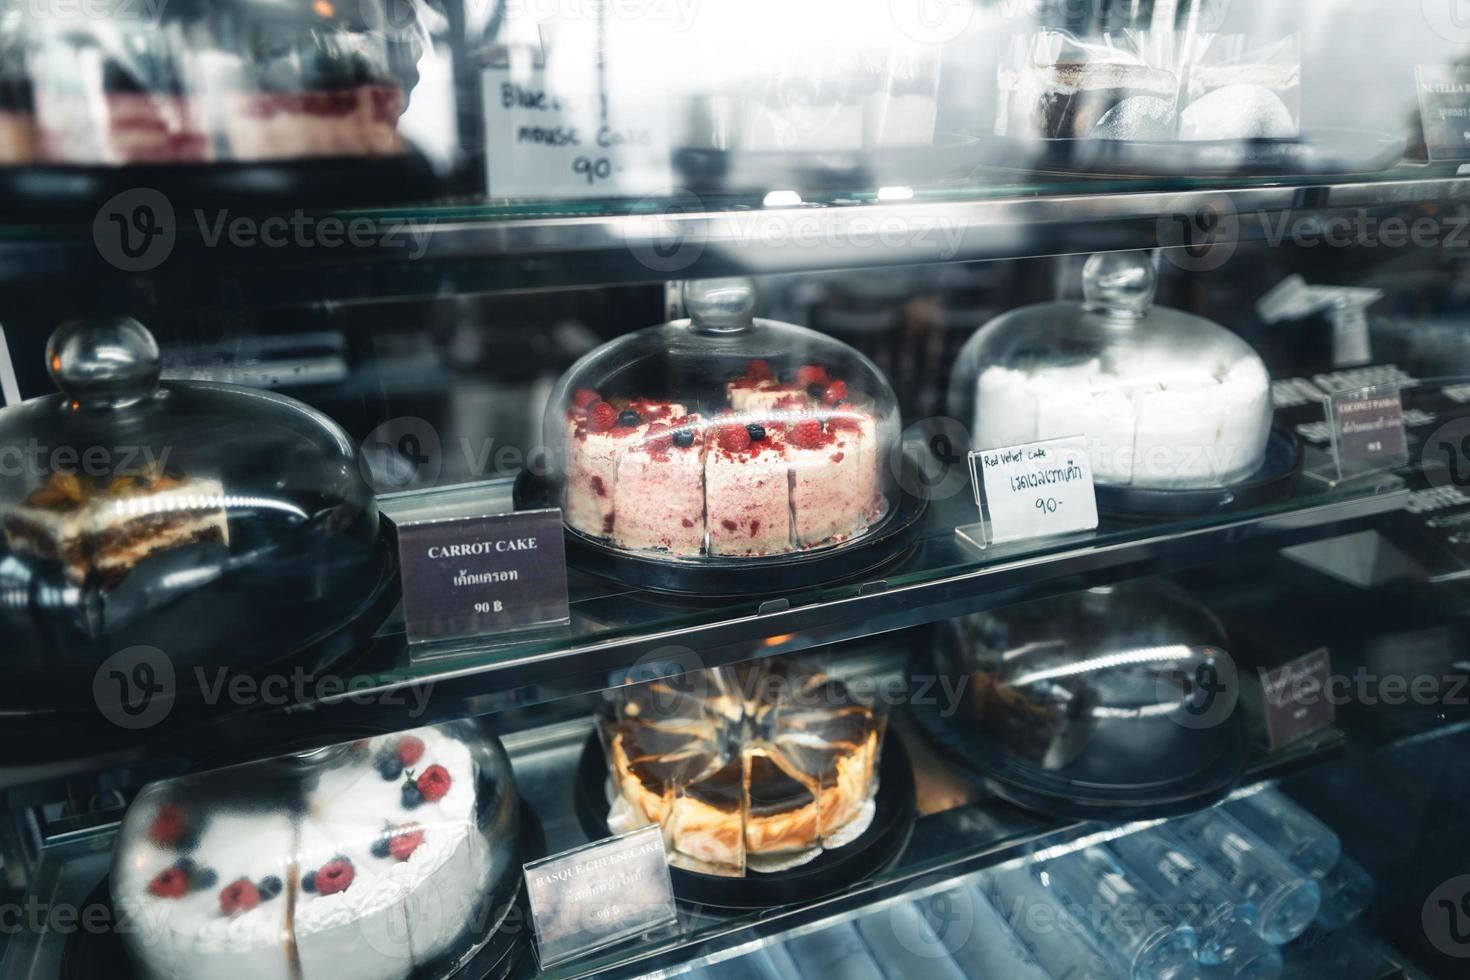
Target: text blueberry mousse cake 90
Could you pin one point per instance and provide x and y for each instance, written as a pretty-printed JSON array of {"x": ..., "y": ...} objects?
[{"x": 724, "y": 437}]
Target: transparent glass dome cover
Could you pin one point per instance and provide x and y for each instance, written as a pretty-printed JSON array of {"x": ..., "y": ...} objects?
[
  {"x": 723, "y": 437},
  {"x": 1100, "y": 687},
  {"x": 387, "y": 857},
  {"x": 135, "y": 510},
  {"x": 1165, "y": 399}
]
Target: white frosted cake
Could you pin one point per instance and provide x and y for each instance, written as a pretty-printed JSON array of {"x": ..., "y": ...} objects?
[
  {"x": 1206, "y": 426},
  {"x": 379, "y": 870}
]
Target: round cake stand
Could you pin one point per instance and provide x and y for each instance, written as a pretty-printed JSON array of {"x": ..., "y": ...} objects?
[
  {"x": 1274, "y": 481},
  {"x": 876, "y": 850},
  {"x": 98, "y": 951},
  {"x": 982, "y": 760},
  {"x": 881, "y": 544},
  {"x": 72, "y": 722}
]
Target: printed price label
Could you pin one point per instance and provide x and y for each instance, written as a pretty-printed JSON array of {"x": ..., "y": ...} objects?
[
  {"x": 478, "y": 575},
  {"x": 599, "y": 894},
  {"x": 1444, "y": 107},
  {"x": 1297, "y": 698},
  {"x": 1367, "y": 429},
  {"x": 1036, "y": 490},
  {"x": 547, "y": 142}
]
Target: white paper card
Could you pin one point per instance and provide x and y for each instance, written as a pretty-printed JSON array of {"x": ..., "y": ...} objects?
[
  {"x": 567, "y": 140},
  {"x": 1034, "y": 490},
  {"x": 599, "y": 894}
]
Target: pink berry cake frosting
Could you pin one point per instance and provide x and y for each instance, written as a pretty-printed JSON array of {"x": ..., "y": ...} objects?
[
  {"x": 781, "y": 466},
  {"x": 372, "y": 866}
]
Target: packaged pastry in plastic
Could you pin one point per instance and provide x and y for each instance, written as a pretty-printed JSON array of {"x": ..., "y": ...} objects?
[
  {"x": 1121, "y": 86},
  {"x": 389, "y": 857},
  {"x": 755, "y": 768},
  {"x": 1239, "y": 88}
]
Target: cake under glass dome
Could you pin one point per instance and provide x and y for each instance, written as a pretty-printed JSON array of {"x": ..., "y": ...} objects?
[
  {"x": 382, "y": 859},
  {"x": 1165, "y": 399},
  {"x": 146, "y": 514},
  {"x": 723, "y": 437},
  {"x": 1114, "y": 696}
]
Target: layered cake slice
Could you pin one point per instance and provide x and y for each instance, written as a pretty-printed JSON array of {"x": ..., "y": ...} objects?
[
  {"x": 659, "y": 499},
  {"x": 322, "y": 104},
  {"x": 99, "y": 531},
  {"x": 598, "y": 435},
  {"x": 781, "y": 809},
  {"x": 830, "y": 495},
  {"x": 747, "y": 492},
  {"x": 706, "y": 821}
]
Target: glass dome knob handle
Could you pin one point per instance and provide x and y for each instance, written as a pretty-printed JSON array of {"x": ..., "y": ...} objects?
[
  {"x": 104, "y": 362},
  {"x": 1119, "y": 283},
  {"x": 720, "y": 305}
]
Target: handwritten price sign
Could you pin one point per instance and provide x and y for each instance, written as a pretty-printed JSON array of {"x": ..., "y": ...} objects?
[
  {"x": 542, "y": 141},
  {"x": 1035, "y": 490}
]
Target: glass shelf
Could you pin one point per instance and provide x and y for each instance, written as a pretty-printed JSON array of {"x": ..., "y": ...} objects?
[
  {"x": 392, "y": 685},
  {"x": 484, "y": 246}
]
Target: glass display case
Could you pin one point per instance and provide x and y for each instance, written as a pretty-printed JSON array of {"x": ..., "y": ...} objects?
[{"x": 696, "y": 325}]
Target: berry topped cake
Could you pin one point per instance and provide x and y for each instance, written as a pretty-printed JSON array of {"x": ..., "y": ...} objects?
[
  {"x": 782, "y": 464},
  {"x": 324, "y": 101},
  {"x": 364, "y": 861},
  {"x": 751, "y": 768}
]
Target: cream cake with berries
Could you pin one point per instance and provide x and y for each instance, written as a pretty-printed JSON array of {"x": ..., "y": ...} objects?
[
  {"x": 784, "y": 465},
  {"x": 379, "y": 869}
]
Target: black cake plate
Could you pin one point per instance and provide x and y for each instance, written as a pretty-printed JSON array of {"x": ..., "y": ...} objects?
[
  {"x": 1275, "y": 480},
  {"x": 62, "y": 191},
  {"x": 1322, "y": 153},
  {"x": 879, "y": 545},
  {"x": 959, "y": 739},
  {"x": 98, "y": 950},
  {"x": 61, "y": 710},
  {"x": 874, "y": 851}
]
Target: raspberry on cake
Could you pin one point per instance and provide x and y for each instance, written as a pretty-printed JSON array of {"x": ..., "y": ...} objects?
[
  {"x": 434, "y": 783},
  {"x": 597, "y": 439},
  {"x": 659, "y": 501},
  {"x": 747, "y": 492},
  {"x": 828, "y": 490},
  {"x": 405, "y": 841},
  {"x": 240, "y": 896},
  {"x": 410, "y": 749}
]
